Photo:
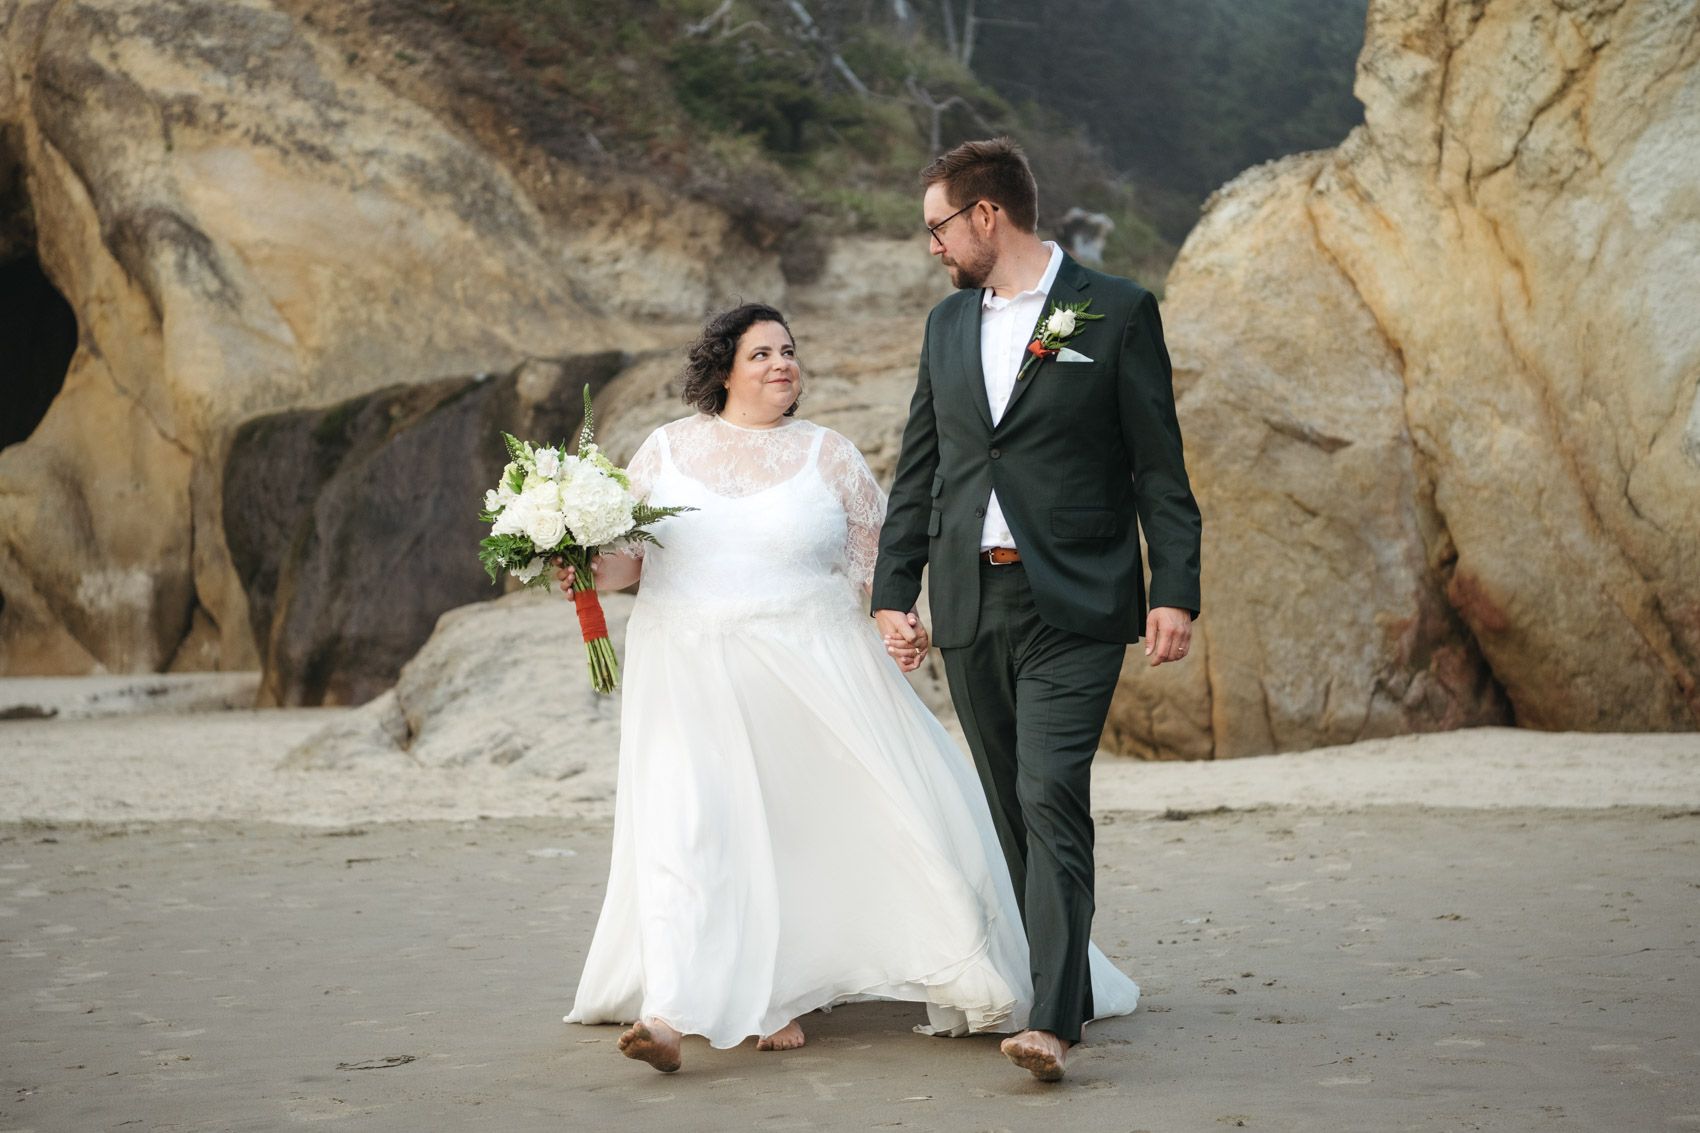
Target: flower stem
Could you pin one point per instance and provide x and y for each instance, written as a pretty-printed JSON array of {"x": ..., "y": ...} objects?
[{"x": 599, "y": 651}]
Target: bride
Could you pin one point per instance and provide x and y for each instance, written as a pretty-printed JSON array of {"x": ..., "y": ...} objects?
[{"x": 793, "y": 829}]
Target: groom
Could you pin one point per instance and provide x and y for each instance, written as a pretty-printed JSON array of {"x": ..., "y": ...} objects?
[{"x": 1025, "y": 490}]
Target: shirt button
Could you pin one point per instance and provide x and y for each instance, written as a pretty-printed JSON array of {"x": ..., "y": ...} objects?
[{"x": 995, "y": 453}]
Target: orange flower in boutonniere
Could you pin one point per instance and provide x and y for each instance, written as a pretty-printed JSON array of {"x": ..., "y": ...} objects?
[{"x": 1061, "y": 323}]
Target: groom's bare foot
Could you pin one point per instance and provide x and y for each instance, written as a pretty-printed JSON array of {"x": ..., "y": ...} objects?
[
  {"x": 654, "y": 1042},
  {"x": 1040, "y": 1053},
  {"x": 788, "y": 1037}
]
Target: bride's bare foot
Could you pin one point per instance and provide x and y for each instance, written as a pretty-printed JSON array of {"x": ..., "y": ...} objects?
[
  {"x": 1040, "y": 1053},
  {"x": 788, "y": 1037},
  {"x": 654, "y": 1042}
]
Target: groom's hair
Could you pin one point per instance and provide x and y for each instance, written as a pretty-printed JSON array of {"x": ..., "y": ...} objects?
[{"x": 994, "y": 170}]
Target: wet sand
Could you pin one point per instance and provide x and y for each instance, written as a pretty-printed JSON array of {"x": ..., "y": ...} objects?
[
  {"x": 1485, "y": 930},
  {"x": 1399, "y": 967}
]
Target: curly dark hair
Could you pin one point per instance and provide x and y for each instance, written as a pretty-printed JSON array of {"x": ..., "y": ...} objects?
[{"x": 709, "y": 361}]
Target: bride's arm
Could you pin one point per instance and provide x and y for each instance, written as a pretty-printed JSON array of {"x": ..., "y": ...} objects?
[
  {"x": 614, "y": 571},
  {"x": 843, "y": 467}
]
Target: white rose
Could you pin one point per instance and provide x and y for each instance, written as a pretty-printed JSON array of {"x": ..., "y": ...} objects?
[
  {"x": 1060, "y": 324},
  {"x": 515, "y": 518},
  {"x": 544, "y": 495},
  {"x": 548, "y": 463},
  {"x": 546, "y": 529}
]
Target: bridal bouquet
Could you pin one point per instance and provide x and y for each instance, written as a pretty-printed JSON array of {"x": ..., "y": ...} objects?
[{"x": 551, "y": 504}]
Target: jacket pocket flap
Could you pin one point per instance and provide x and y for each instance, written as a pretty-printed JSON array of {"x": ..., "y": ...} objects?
[
  {"x": 938, "y": 484},
  {"x": 935, "y": 523}
]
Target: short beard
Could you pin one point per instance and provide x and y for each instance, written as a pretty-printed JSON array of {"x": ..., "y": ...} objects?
[{"x": 971, "y": 274}]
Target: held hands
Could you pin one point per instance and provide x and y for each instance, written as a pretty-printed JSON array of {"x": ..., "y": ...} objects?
[
  {"x": 905, "y": 638},
  {"x": 611, "y": 572},
  {"x": 1168, "y": 634}
]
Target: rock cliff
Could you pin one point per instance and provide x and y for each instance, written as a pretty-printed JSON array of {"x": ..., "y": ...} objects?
[
  {"x": 1439, "y": 387},
  {"x": 243, "y": 219}
]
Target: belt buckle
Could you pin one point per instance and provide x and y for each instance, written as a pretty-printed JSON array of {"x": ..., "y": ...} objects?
[{"x": 988, "y": 556}]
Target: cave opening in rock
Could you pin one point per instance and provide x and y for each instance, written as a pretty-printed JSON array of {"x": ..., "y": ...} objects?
[{"x": 38, "y": 335}]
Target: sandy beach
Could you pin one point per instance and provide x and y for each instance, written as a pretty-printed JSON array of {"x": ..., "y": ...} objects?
[{"x": 1483, "y": 930}]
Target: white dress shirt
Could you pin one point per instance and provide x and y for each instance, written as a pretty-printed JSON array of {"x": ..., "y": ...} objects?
[{"x": 1006, "y": 327}]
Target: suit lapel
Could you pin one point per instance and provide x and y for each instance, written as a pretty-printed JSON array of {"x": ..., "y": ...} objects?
[
  {"x": 968, "y": 346},
  {"x": 1069, "y": 287}
]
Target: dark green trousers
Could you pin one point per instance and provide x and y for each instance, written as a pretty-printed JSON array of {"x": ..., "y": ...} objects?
[{"x": 1032, "y": 700}]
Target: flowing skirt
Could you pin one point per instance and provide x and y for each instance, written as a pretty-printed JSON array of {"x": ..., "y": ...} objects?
[{"x": 794, "y": 829}]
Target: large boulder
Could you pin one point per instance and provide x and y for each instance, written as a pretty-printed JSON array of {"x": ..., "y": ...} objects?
[
  {"x": 352, "y": 528},
  {"x": 499, "y": 684},
  {"x": 1439, "y": 389},
  {"x": 244, "y": 220}
]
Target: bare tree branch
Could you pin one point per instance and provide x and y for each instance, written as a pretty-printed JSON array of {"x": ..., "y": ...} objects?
[
  {"x": 812, "y": 32},
  {"x": 702, "y": 28},
  {"x": 723, "y": 16},
  {"x": 936, "y": 109}
]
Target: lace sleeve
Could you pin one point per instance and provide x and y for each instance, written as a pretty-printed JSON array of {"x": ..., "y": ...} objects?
[
  {"x": 848, "y": 475},
  {"x": 645, "y": 465},
  {"x": 642, "y": 470}
]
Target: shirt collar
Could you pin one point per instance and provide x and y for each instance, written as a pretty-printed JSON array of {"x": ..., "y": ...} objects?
[{"x": 990, "y": 301}]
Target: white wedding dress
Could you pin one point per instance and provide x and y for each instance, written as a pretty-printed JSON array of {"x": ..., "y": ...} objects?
[{"x": 793, "y": 829}]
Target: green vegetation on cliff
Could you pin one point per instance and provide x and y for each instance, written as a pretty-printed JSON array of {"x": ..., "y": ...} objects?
[{"x": 807, "y": 118}]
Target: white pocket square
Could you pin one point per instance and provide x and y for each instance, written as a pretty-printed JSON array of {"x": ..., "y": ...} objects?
[{"x": 1066, "y": 354}]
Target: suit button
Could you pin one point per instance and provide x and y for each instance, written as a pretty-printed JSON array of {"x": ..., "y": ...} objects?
[
  {"x": 995, "y": 453},
  {"x": 979, "y": 513}
]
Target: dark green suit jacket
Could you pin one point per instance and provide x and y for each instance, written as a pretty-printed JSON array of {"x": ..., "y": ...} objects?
[{"x": 1085, "y": 455}]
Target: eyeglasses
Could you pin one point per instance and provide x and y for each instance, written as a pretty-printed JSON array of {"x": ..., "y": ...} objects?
[{"x": 933, "y": 229}]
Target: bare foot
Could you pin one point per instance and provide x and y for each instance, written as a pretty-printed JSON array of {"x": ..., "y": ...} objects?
[
  {"x": 1040, "y": 1053},
  {"x": 788, "y": 1037},
  {"x": 654, "y": 1042}
]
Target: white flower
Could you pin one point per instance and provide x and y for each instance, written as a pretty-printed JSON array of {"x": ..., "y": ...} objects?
[
  {"x": 547, "y": 527},
  {"x": 597, "y": 508},
  {"x": 548, "y": 463},
  {"x": 1060, "y": 324},
  {"x": 539, "y": 518},
  {"x": 543, "y": 494},
  {"x": 492, "y": 500},
  {"x": 530, "y": 570},
  {"x": 515, "y": 517}
]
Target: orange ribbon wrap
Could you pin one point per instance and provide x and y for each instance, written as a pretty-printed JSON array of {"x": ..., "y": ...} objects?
[{"x": 591, "y": 621}]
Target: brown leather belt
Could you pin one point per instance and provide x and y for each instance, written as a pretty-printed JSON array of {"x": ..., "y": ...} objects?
[{"x": 1000, "y": 556}]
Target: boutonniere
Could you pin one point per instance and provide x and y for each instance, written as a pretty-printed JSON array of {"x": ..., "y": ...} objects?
[{"x": 1061, "y": 323}]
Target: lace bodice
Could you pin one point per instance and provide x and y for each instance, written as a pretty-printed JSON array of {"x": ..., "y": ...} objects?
[{"x": 787, "y": 521}]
